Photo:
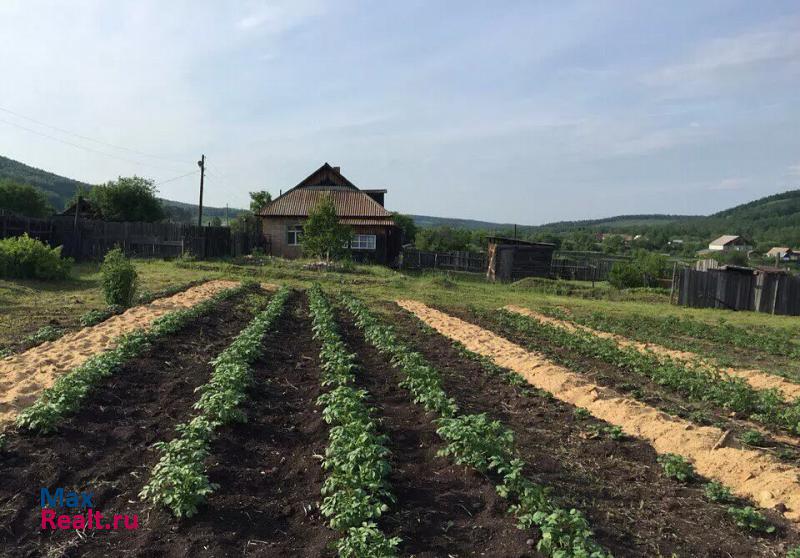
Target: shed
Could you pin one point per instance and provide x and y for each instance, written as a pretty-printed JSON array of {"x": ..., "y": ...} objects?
[{"x": 511, "y": 259}]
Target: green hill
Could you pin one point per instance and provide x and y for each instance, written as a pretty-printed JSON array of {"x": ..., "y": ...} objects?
[{"x": 60, "y": 190}]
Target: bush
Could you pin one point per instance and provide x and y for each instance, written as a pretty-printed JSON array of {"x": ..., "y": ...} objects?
[
  {"x": 119, "y": 279},
  {"x": 23, "y": 257}
]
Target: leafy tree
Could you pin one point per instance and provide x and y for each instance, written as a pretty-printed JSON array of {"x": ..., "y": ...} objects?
[
  {"x": 407, "y": 226},
  {"x": 127, "y": 199},
  {"x": 259, "y": 199},
  {"x": 246, "y": 222},
  {"x": 24, "y": 199},
  {"x": 323, "y": 235},
  {"x": 613, "y": 244},
  {"x": 215, "y": 222},
  {"x": 443, "y": 239}
]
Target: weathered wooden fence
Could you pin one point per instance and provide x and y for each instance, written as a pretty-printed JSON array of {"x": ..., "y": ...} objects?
[
  {"x": 762, "y": 292},
  {"x": 583, "y": 266},
  {"x": 453, "y": 261},
  {"x": 86, "y": 239}
]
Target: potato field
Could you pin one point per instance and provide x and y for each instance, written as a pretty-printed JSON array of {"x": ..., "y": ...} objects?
[{"x": 284, "y": 419}]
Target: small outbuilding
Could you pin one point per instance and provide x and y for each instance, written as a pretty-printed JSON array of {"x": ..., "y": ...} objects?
[
  {"x": 510, "y": 259},
  {"x": 730, "y": 243}
]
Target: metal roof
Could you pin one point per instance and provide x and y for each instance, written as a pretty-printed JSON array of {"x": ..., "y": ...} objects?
[
  {"x": 369, "y": 221},
  {"x": 724, "y": 239},
  {"x": 298, "y": 202}
]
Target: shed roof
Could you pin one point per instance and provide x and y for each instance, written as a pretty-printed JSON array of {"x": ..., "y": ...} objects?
[{"x": 779, "y": 250}]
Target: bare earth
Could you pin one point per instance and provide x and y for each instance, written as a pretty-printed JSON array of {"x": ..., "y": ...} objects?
[
  {"x": 788, "y": 390},
  {"x": 23, "y": 376},
  {"x": 749, "y": 473}
]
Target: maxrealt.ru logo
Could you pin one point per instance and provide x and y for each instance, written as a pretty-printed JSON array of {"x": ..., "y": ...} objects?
[{"x": 74, "y": 503}]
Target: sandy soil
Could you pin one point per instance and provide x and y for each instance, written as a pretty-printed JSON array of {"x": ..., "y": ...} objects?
[
  {"x": 749, "y": 473},
  {"x": 23, "y": 376},
  {"x": 788, "y": 390}
]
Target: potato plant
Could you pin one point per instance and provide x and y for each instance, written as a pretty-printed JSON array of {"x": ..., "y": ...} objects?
[
  {"x": 356, "y": 491},
  {"x": 484, "y": 444},
  {"x": 695, "y": 382},
  {"x": 66, "y": 395},
  {"x": 179, "y": 480}
]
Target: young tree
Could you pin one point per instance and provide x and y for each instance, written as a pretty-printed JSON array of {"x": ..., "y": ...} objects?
[
  {"x": 23, "y": 199},
  {"x": 407, "y": 226},
  {"x": 129, "y": 198},
  {"x": 323, "y": 235},
  {"x": 259, "y": 199}
]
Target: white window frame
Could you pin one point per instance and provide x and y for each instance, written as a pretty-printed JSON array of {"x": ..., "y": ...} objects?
[
  {"x": 294, "y": 232},
  {"x": 363, "y": 242}
]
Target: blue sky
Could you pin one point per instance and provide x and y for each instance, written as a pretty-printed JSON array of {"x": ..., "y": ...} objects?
[{"x": 522, "y": 112}]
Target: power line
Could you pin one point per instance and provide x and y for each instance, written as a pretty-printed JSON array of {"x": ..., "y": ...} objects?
[
  {"x": 79, "y": 146},
  {"x": 176, "y": 178},
  {"x": 87, "y": 138}
]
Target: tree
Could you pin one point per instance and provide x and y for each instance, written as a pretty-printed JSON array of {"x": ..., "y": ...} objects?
[
  {"x": 23, "y": 199},
  {"x": 246, "y": 222},
  {"x": 130, "y": 198},
  {"x": 215, "y": 222},
  {"x": 259, "y": 199},
  {"x": 407, "y": 227},
  {"x": 323, "y": 235},
  {"x": 443, "y": 239}
]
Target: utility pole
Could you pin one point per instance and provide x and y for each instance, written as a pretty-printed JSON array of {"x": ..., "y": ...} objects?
[{"x": 202, "y": 164}]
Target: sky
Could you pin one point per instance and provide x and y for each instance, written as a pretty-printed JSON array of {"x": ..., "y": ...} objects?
[{"x": 518, "y": 112}]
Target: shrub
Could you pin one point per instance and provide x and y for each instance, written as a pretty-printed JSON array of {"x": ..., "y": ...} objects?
[
  {"x": 119, "y": 278},
  {"x": 676, "y": 467},
  {"x": 23, "y": 257}
]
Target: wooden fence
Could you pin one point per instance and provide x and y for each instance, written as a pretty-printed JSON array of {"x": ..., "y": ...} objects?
[
  {"x": 86, "y": 239},
  {"x": 583, "y": 266},
  {"x": 452, "y": 261},
  {"x": 762, "y": 292}
]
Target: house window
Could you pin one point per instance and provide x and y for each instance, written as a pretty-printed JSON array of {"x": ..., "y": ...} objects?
[
  {"x": 363, "y": 242},
  {"x": 294, "y": 235}
]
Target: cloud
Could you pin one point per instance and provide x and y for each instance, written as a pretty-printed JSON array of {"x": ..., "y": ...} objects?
[
  {"x": 278, "y": 17},
  {"x": 729, "y": 184},
  {"x": 740, "y": 57}
]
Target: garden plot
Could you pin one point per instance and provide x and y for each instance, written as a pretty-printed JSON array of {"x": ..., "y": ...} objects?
[
  {"x": 23, "y": 376},
  {"x": 104, "y": 447},
  {"x": 750, "y": 473},
  {"x": 756, "y": 378},
  {"x": 441, "y": 508}
]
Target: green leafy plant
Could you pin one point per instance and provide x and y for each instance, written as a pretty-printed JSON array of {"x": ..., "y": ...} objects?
[
  {"x": 118, "y": 278},
  {"x": 45, "y": 333},
  {"x": 356, "y": 491},
  {"x": 717, "y": 492},
  {"x": 23, "y": 257},
  {"x": 750, "y": 519},
  {"x": 581, "y": 413},
  {"x": 676, "y": 467},
  {"x": 752, "y": 438}
]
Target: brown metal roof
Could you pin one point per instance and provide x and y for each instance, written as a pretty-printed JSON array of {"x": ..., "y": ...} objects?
[
  {"x": 371, "y": 221},
  {"x": 349, "y": 203}
]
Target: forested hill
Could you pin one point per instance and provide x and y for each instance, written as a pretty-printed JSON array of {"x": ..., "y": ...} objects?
[
  {"x": 771, "y": 220},
  {"x": 60, "y": 189}
]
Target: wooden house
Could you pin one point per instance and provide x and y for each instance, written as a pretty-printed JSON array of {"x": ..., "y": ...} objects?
[{"x": 376, "y": 238}]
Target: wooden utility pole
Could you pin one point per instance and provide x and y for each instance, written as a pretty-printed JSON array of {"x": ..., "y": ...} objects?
[{"x": 202, "y": 164}]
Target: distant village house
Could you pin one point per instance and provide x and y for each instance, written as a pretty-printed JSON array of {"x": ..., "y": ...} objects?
[
  {"x": 730, "y": 243},
  {"x": 376, "y": 238},
  {"x": 783, "y": 253}
]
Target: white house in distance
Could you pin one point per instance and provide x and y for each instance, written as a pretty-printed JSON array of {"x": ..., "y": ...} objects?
[
  {"x": 783, "y": 253},
  {"x": 730, "y": 243}
]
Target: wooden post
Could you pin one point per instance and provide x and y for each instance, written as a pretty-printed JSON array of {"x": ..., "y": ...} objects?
[{"x": 672, "y": 285}]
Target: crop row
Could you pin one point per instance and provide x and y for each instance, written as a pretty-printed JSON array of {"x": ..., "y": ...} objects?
[
  {"x": 654, "y": 329},
  {"x": 484, "y": 444},
  {"x": 691, "y": 380},
  {"x": 356, "y": 491},
  {"x": 179, "y": 480},
  {"x": 66, "y": 395}
]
